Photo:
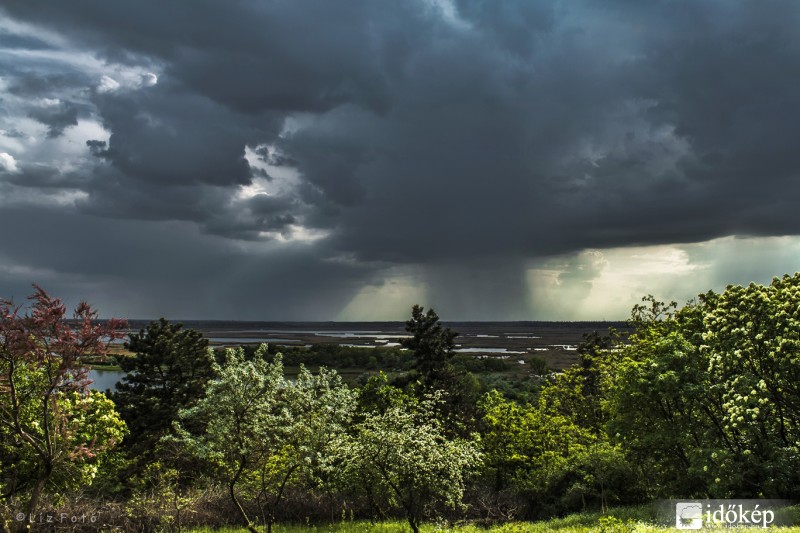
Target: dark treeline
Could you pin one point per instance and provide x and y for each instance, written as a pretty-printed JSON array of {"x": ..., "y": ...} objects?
[{"x": 691, "y": 402}]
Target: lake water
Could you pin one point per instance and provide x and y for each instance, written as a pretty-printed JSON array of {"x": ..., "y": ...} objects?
[
  {"x": 105, "y": 379},
  {"x": 485, "y": 350}
]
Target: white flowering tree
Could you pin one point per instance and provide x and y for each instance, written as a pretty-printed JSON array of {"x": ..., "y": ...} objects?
[
  {"x": 264, "y": 431},
  {"x": 319, "y": 408},
  {"x": 404, "y": 455},
  {"x": 707, "y": 398},
  {"x": 752, "y": 341}
]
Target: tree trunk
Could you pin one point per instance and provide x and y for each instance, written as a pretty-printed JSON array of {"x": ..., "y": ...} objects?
[
  {"x": 239, "y": 507},
  {"x": 36, "y": 495},
  {"x": 414, "y": 523},
  {"x": 272, "y": 507}
]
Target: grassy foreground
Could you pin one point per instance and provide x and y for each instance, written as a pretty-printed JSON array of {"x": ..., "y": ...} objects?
[{"x": 619, "y": 520}]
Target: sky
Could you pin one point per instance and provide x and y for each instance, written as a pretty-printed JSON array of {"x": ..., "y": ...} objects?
[{"x": 318, "y": 160}]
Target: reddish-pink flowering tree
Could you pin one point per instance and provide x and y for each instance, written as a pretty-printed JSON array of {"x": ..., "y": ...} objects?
[{"x": 51, "y": 425}]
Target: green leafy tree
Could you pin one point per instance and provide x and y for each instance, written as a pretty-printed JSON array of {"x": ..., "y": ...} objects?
[
  {"x": 378, "y": 394},
  {"x": 167, "y": 372},
  {"x": 663, "y": 407},
  {"x": 53, "y": 429},
  {"x": 528, "y": 452},
  {"x": 404, "y": 456},
  {"x": 712, "y": 388}
]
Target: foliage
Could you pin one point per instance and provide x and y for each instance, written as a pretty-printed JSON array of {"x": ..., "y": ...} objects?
[
  {"x": 263, "y": 431},
  {"x": 752, "y": 342},
  {"x": 662, "y": 406},
  {"x": 167, "y": 372},
  {"x": 537, "y": 452},
  {"x": 707, "y": 397},
  {"x": 698, "y": 401},
  {"x": 52, "y": 428},
  {"x": 612, "y": 524},
  {"x": 158, "y": 501},
  {"x": 377, "y": 395},
  {"x": 554, "y": 453},
  {"x": 333, "y": 355},
  {"x": 320, "y": 409},
  {"x": 432, "y": 345},
  {"x": 404, "y": 456}
]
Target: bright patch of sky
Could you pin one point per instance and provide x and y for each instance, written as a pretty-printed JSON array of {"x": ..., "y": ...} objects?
[
  {"x": 606, "y": 284},
  {"x": 390, "y": 300}
]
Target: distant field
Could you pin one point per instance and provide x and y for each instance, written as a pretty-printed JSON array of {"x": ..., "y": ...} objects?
[
  {"x": 518, "y": 344},
  {"x": 555, "y": 342}
]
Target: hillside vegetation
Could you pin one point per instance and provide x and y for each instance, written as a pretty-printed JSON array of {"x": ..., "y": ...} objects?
[{"x": 701, "y": 401}]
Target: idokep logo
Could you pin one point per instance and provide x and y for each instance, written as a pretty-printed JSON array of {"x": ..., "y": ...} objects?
[
  {"x": 689, "y": 515},
  {"x": 728, "y": 513}
]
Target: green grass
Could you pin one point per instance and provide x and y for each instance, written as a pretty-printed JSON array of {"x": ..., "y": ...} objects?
[{"x": 619, "y": 520}]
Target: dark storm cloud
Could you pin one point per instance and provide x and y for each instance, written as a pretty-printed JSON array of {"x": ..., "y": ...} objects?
[
  {"x": 57, "y": 117},
  {"x": 175, "y": 138},
  {"x": 31, "y": 84},
  {"x": 169, "y": 269},
  {"x": 27, "y": 42},
  {"x": 116, "y": 196},
  {"x": 467, "y": 137},
  {"x": 253, "y": 56},
  {"x": 38, "y": 176}
]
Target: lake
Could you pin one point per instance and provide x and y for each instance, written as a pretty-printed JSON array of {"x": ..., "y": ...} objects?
[{"x": 105, "y": 379}]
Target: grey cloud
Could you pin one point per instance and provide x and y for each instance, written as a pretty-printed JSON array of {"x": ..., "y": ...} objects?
[
  {"x": 251, "y": 57},
  {"x": 250, "y": 219},
  {"x": 13, "y": 40},
  {"x": 169, "y": 269},
  {"x": 274, "y": 158},
  {"x": 175, "y": 138},
  {"x": 514, "y": 26},
  {"x": 97, "y": 147},
  {"x": 29, "y": 84},
  {"x": 13, "y": 134},
  {"x": 40, "y": 176},
  {"x": 116, "y": 195},
  {"x": 57, "y": 117}
]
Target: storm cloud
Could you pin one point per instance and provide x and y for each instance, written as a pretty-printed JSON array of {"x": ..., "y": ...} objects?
[{"x": 308, "y": 152}]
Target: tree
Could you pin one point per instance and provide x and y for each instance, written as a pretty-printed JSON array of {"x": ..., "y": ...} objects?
[
  {"x": 663, "y": 408},
  {"x": 244, "y": 425},
  {"x": 53, "y": 427},
  {"x": 433, "y": 347},
  {"x": 320, "y": 408},
  {"x": 752, "y": 341},
  {"x": 263, "y": 431},
  {"x": 404, "y": 456},
  {"x": 713, "y": 388},
  {"x": 377, "y": 395},
  {"x": 167, "y": 372},
  {"x": 535, "y": 453}
]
